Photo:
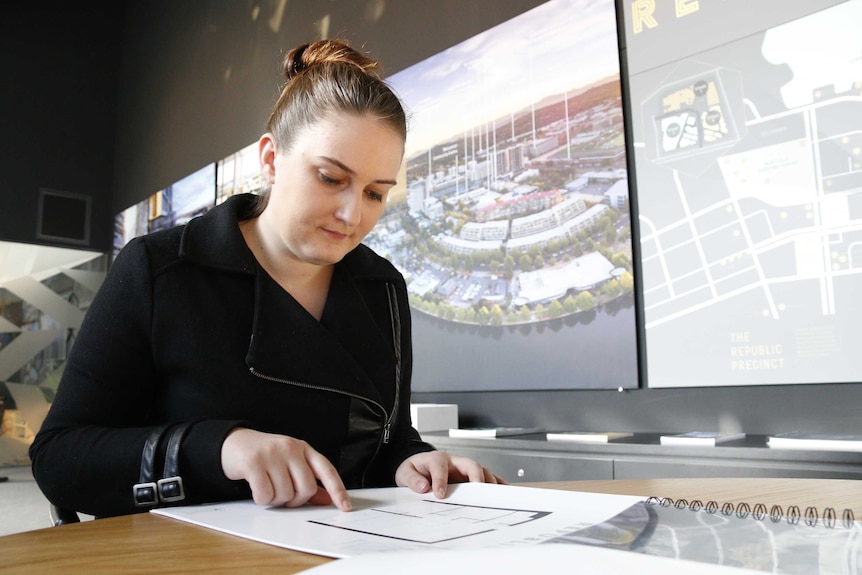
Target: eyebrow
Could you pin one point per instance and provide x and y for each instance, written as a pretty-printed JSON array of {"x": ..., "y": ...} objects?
[{"x": 352, "y": 172}]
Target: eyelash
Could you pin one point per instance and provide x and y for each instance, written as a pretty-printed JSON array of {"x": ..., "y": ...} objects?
[
  {"x": 327, "y": 180},
  {"x": 374, "y": 196}
]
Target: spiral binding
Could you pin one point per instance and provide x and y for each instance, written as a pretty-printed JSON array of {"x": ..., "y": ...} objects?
[{"x": 794, "y": 515}]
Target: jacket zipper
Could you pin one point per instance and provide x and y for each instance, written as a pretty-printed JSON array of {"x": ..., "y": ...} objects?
[
  {"x": 387, "y": 416},
  {"x": 394, "y": 316}
]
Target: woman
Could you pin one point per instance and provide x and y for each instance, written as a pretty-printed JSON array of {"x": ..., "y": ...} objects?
[{"x": 259, "y": 351}]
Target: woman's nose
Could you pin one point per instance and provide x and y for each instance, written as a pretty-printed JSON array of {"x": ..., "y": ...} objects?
[{"x": 350, "y": 207}]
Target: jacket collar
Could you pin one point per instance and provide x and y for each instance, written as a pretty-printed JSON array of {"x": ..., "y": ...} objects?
[
  {"x": 214, "y": 239},
  {"x": 347, "y": 351}
]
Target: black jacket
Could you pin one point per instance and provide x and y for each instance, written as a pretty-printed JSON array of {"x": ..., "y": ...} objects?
[{"x": 188, "y": 328}]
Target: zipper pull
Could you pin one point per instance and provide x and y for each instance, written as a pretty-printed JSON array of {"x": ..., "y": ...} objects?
[{"x": 386, "y": 433}]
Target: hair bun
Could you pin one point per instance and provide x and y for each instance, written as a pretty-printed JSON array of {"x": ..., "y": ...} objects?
[
  {"x": 293, "y": 63},
  {"x": 306, "y": 56}
]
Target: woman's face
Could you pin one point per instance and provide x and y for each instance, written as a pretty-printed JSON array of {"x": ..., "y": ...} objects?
[{"x": 330, "y": 187}]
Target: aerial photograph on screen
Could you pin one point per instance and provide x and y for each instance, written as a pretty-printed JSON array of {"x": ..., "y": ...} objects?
[
  {"x": 512, "y": 226},
  {"x": 748, "y": 154},
  {"x": 174, "y": 205},
  {"x": 239, "y": 173}
]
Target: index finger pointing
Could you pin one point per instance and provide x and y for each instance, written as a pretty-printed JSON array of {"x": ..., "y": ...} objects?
[{"x": 331, "y": 481}]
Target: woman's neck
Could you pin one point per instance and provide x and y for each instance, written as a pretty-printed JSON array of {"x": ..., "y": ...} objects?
[{"x": 307, "y": 283}]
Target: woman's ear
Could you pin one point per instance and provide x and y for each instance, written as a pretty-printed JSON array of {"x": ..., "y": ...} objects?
[{"x": 266, "y": 153}]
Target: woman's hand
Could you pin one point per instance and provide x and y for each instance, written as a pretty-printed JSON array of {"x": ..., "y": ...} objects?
[
  {"x": 282, "y": 470},
  {"x": 434, "y": 470}
]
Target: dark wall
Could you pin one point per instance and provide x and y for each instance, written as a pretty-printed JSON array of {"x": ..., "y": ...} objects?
[{"x": 58, "y": 101}]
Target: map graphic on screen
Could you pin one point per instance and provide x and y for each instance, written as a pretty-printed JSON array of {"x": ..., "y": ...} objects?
[
  {"x": 748, "y": 152},
  {"x": 512, "y": 227}
]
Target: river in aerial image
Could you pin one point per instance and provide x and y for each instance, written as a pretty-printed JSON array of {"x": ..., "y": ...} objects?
[{"x": 591, "y": 350}]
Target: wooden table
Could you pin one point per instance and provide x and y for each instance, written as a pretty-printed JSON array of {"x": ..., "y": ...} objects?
[{"x": 148, "y": 543}]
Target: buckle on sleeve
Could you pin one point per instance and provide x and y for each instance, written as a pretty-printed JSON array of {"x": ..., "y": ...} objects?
[
  {"x": 171, "y": 489},
  {"x": 145, "y": 494}
]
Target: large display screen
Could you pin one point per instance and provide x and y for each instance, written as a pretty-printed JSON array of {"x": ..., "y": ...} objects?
[
  {"x": 747, "y": 125},
  {"x": 513, "y": 226}
]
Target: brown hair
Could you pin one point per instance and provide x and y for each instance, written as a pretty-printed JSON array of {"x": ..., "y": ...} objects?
[
  {"x": 323, "y": 78},
  {"x": 327, "y": 77}
]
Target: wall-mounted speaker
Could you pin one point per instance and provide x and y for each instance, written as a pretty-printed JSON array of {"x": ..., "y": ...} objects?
[{"x": 63, "y": 217}]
